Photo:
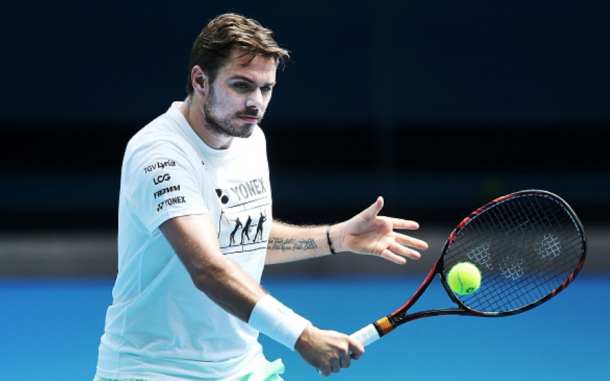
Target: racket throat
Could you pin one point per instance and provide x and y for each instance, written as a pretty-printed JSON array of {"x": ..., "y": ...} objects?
[{"x": 384, "y": 325}]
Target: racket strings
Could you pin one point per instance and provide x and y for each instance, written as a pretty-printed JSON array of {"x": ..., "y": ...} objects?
[{"x": 526, "y": 247}]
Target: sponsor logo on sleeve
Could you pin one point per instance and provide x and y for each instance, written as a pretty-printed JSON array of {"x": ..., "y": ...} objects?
[
  {"x": 159, "y": 165},
  {"x": 161, "y": 178},
  {"x": 167, "y": 190},
  {"x": 171, "y": 201}
]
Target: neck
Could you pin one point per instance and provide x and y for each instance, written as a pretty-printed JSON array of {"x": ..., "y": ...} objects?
[{"x": 195, "y": 116}]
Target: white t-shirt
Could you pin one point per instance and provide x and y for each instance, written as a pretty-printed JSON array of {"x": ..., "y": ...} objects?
[{"x": 160, "y": 325}]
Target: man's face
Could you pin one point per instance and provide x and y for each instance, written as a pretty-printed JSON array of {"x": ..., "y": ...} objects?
[{"x": 238, "y": 97}]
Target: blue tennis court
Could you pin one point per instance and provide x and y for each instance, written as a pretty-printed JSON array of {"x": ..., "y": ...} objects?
[{"x": 51, "y": 329}]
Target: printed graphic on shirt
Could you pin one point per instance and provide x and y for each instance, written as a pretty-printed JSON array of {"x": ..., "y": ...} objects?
[
  {"x": 223, "y": 196},
  {"x": 243, "y": 192},
  {"x": 244, "y": 227}
]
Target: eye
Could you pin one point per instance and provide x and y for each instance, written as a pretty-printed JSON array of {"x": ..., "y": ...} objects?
[
  {"x": 266, "y": 89},
  {"x": 241, "y": 85}
]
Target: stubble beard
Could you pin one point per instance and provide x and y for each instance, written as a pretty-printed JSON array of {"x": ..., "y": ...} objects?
[{"x": 226, "y": 126}]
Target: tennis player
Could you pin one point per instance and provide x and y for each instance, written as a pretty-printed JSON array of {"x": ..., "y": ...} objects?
[{"x": 196, "y": 229}]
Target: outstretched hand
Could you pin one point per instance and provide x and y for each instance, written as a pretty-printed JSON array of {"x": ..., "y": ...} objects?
[{"x": 371, "y": 234}]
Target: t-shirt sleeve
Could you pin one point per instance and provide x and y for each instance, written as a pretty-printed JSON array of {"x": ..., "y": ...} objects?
[{"x": 159, "y": 182}]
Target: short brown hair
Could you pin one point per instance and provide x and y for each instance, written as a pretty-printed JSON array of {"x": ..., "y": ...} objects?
[{"x": 223, "y": 35}]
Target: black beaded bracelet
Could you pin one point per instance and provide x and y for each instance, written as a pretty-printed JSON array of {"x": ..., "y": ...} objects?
[{"x": 330, "y": 244}]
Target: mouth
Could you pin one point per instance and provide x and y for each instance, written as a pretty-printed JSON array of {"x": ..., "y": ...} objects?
[{"x": 248, "y": 118}]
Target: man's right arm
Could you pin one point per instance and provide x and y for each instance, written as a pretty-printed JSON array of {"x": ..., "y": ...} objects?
[{"x": 193, "y": 238}]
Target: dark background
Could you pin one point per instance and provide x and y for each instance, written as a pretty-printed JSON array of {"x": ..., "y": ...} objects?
[{"x": 439, "y": 106}]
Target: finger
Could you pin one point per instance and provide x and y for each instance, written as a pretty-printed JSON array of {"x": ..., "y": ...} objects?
[
  {"x": 398, "y": 223},
  {"x": 356, "y": 348},
  {"x": 335, "y": 367},
  {"x": 387, "y": 254},
  {"x": 410, "y": 241},
  {"x": 372, "y": 211},
  {"x": 345, "y": 361},
  {"x": 325, "y": 372},
  {"x": 404, "y": 251}
]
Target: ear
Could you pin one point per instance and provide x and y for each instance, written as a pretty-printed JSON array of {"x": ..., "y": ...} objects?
[{"x": 199, "y": 80}]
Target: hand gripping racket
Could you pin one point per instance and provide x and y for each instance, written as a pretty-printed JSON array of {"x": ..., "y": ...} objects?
[{"x": 528, "y": 245}]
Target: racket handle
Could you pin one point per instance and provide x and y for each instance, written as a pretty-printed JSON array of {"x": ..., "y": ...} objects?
[{"x": 366, "y": 335}]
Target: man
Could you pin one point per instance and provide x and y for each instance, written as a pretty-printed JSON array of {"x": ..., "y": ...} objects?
[{"x": 187, "y": 300}]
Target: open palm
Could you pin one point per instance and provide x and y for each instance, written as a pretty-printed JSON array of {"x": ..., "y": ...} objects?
[{"x": 370, "y": 234}]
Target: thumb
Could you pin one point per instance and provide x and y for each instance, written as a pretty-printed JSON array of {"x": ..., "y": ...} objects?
[{"x": 372, "y": 211}]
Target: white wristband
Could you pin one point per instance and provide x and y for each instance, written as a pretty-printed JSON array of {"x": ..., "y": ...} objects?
[{"x": 277, "y": 321}]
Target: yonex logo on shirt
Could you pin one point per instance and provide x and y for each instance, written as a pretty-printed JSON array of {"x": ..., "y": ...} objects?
[
  {"x": 171, "y": 201},
  {"x": 251, "y": 188}
]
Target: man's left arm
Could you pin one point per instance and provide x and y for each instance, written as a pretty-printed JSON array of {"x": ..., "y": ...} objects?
[{"x": 366, "y": 233}]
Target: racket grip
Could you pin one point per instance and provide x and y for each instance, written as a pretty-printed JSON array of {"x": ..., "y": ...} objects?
[{"x": 366, "y": 335}]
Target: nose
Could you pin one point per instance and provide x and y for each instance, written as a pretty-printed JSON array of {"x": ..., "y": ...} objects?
[{"x": 255, "y": 100}]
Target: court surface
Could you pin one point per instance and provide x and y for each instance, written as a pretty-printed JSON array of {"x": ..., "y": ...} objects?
[{"x": 51, "y": 329}]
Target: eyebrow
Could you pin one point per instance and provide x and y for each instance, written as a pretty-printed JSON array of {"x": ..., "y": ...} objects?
[{"x": 246, "y": 79}]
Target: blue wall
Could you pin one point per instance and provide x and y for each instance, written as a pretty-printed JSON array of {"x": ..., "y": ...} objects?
[{"x": 52, "y": 331}]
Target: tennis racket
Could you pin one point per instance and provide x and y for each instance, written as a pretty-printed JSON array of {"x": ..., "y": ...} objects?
[{"x": 528, "y": 245}]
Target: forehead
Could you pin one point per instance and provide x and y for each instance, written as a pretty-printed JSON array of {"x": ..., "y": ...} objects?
[{"x": 258, "y": 68}]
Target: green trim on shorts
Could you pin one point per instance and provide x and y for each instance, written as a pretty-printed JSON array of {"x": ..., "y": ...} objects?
[
  {"x": 98, "y": 378},
  {"x": 270, "y": 372}
]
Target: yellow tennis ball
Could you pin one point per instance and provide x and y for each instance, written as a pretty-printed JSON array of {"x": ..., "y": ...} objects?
[{"x": 464, "y": 278}]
